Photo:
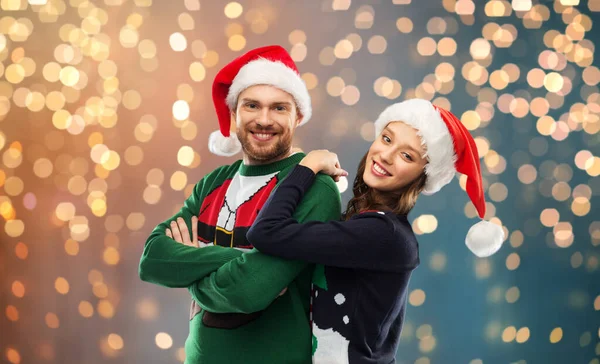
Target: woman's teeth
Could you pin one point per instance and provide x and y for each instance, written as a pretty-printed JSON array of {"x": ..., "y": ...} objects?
[{"x": 379, "y": 169}]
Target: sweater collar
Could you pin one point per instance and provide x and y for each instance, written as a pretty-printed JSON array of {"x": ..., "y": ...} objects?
[{"x": 263, "y": 169}]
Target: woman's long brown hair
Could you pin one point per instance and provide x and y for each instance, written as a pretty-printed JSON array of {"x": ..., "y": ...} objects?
[{"x": 365, "y": 198}]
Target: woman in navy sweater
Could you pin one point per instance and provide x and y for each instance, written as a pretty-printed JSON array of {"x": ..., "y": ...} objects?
[{"x": 364, "y": 262}]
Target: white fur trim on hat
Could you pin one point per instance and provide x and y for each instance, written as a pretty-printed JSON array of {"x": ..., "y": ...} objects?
[
  {"x": 484, "y": 238},
  {"x": 265, "y": 72},
  {"x": 421, "y": 115},
  {"x": 223, "y": 146}
]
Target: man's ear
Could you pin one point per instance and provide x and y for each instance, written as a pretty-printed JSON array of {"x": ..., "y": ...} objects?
[
  {"x": 299, "y": 117},
  {"x": 233, "y": 122}
]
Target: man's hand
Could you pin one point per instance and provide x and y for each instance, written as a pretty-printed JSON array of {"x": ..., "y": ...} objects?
[{"x": 180, "y": 233}]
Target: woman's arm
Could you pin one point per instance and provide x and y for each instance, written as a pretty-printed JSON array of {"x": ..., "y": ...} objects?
[{"x": 368, "y": 241}]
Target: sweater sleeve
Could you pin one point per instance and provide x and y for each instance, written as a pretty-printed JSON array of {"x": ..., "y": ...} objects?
[
  {"x": 168, "y": 263},
  {"x": 369, "y": 240},
  {"x": 251, "y": 282}
]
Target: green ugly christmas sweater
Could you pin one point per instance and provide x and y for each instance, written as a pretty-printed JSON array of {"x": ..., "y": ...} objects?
[{"x": 238, "y": 314}]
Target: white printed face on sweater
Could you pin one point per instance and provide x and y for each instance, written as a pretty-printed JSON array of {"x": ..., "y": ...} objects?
[
  {"x": 266, "y": 118},
  {"x": 395, "y": 158}
]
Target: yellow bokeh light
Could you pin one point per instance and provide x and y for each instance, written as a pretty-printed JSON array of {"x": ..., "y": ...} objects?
[
  {"x": 147, "y": 49},
  {"x": 236, "y": 42},
  {"x": 311, "y": 80},
  {"x": 163, "y": 340},
  {"x": 377, "y": 44},
  {"x": 426, "y": 223},
  {"x": 426, "y": 46},
  {"x": 185, "y": 21},
  {"x": 71, "y": 247},
  {"x": 132, "y": 99},
  {"x": 13, "y": 356},
  {"x": 522, "y": 335},
  {"x": 181, "y": 110},
  {"x": 197, "y": 71},
  {"x": 52, "y": 320},
  {"x": 135, "y": 221},
  {"x": 178, "y": 180},
  {"x": 18, "y": 289},
  {"x": 233, "y": 10},
  {"x": 129, "y": 36},
  {"x": 21, "y": 251},
  {"x": 14, "y": 73},
  {"x": 185, "y": 156},
  {"x": 61, "y": 285},
  {"x": 556, "y": 335},
  {"x": 42, "y": 167},
  {"x": 110, "y": 160},
  {"x": 509, "y": 334},
  {"x": 86, "y": 309},
  {"x": 69, "y": 76},
  {"x": 105, "y": 309},
  {"x": 111, "y": 256},
  {"x": 297, "y": 36},
  {"x": 12, "y": 313},
  {"x": 178, "y": 42},
  {"x": 115, "y": 341},
  {"x": 553, "y": 82},
  {"x": 417, "y": 297},
  {"x": 343, "y": 49},
  {"x": 350, "y": 95},
  {"x": 513, "y": 261},
  {"x": 14, "y": 186},
  {"x": 152, "y": 195}
]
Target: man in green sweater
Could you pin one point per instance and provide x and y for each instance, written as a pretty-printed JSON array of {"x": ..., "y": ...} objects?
[{"x": 247, "y": 307}]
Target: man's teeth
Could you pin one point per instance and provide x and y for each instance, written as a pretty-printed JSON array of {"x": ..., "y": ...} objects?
[
  {"x": 379, "y": 169},
  {"x": 263, "y": 136}
]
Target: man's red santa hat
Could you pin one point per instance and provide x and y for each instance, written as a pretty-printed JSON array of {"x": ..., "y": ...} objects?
[
  {"x": 450, "y": 148},
  {"x": 271, "y": 65}
]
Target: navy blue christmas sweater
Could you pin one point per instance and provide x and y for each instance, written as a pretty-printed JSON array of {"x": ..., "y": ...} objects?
[{"x": 361, "y": 281}]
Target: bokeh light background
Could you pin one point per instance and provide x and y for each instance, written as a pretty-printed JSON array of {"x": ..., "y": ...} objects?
[{"x": 105, "y": 109}]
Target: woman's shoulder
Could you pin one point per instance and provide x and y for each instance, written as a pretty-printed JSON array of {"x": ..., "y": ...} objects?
[
  {"x": 397, "y": 231},
  {"x": 399, "y": 224}
]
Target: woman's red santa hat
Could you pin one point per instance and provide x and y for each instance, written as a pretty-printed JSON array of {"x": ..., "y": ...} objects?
[
  {"x": 271, "y": 65},
  {"x": 450, "y": 148}
]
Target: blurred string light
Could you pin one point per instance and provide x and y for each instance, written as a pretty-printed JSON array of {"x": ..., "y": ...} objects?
[{"x": 93, "y": 89}]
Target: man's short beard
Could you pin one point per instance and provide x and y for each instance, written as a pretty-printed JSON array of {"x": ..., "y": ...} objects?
[{"x": 281, "y": 148}]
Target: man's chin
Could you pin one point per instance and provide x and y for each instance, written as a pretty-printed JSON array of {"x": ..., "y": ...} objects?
[{"x": 260, "y": 154}]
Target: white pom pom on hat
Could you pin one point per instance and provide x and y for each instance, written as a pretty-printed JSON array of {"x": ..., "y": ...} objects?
[{"x": 450, "y": 149}]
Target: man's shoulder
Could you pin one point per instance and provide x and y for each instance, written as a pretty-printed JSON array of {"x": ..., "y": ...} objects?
[
  {"x": 326, "y": 182},
  {"x": 322, "y": 182},
  {"x": 225, "y": 171}
]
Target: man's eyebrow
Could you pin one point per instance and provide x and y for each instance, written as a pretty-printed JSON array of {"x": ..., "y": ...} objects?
[
  {"x": 282, "y": 103},
  {"x": 250, "y": 100}
]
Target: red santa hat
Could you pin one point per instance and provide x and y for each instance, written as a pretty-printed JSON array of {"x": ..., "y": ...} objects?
[
  {"x": 271, "y": 65},
  {"x": 450, "y": 148}
]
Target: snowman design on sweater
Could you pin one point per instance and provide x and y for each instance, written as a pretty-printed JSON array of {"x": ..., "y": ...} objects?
[{"x": 331, "y": 333}]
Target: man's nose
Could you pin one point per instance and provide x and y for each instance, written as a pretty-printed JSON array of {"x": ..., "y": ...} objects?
[{"x": 263, "y": 117}]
